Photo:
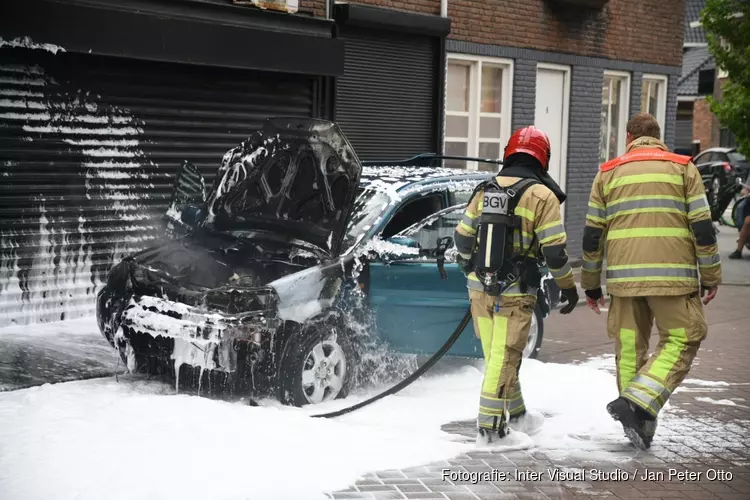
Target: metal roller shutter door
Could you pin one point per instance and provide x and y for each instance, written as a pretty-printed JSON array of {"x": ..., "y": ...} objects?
[
  {"x": 683, "y": 132},
  {"x": 88, "y": 151},
  {"x": 386, "y": 99}
]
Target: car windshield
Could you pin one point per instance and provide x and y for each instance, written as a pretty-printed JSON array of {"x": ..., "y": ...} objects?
[
  {"x": 368, "y": 207},
  {"x": 736, "y": 157}
]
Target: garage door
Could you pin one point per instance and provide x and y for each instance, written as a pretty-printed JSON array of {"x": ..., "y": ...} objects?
[
  {"x": 88, "y": 150},
  {"x": 386, "y": 100}
]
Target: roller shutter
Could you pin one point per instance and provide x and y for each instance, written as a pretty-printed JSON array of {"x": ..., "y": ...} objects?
[
  {"x": 684, "y": 132},
  {"x": 386, "y": 101},
  {"x": 89, "y": 147}
]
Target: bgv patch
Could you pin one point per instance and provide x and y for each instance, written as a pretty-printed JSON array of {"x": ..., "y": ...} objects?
[{"x": 496, "y": 203}]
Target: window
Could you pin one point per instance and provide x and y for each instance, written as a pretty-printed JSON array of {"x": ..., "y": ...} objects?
[
  {"x": 615, "y": 91},
  {"x": 654, "y": 99},
  {"x": 435, "y": 228},
  {"x": 413, "y": 212},
  {"x": 477, "y": 109}
]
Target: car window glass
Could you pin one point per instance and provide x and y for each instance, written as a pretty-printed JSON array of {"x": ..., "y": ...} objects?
[
  {"x": 719, "y": 157},
  {"x": 434, "y": 228},
  {"x": 413, "y": 212},
  {"x": 736, "y": 157},
  {"x": 462, "y": 196}
]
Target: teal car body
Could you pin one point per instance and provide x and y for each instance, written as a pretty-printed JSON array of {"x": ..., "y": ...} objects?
[{"x": 400, "y": 215}]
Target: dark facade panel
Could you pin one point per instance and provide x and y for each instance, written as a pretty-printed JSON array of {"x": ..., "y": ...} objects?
[
  {"x": 387, "y": 99},
  {"x": 116, "y": 29},
  {"x": 367, "y": 16},
  {"x": 89, "y": 147}
]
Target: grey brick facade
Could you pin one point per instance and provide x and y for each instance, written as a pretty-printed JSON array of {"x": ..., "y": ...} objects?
[{"x": 585, "y": 112}]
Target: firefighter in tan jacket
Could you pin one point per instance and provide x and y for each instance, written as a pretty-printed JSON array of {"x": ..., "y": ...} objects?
[
  {"x": 648, "y": 212},
  {"x": 513, "y": 236}
]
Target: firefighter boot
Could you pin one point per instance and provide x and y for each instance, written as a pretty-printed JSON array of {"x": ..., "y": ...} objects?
[
  {"x": 528, "y": 422},
  {"x": 638, "y": 426},
  {"x": 503, "y": 438}
]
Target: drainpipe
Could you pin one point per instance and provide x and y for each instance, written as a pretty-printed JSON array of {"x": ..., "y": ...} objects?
[{"x": 443, "y": 8}]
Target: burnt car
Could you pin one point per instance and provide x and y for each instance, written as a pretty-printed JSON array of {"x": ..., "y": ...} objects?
[
  {"x": 246, "y": 284},
  {"x": 302, "y": 273}
]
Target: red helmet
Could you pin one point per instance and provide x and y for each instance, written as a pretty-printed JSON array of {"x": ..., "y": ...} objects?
[{"x": 532, "y": 141}]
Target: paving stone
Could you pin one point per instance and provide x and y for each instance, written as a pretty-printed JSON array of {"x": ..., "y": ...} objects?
[
  {"x": 413, "y": 488},
  {"x": 432, "y": 495}
]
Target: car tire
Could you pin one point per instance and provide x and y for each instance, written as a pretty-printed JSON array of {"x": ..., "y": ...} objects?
[
  {"x": 534, "y": 345},
  {"x": 318, "y": 364},
  {"x": 140, "y": 363}
]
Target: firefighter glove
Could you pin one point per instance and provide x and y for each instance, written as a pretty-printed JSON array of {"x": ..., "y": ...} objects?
[
  {"x": 594, "y": 294},
  {"x": 569, "y": 295},
  {"x": 463, "y": 264}
]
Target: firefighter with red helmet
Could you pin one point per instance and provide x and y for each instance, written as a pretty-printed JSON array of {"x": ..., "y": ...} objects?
[{"x": 512, "y": 222}]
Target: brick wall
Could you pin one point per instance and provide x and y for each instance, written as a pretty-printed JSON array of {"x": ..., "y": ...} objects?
[
  {"x": 315, "y": 7},
  {"x": 583, "y": 149},
  {"x": 702, "y": 124},
  {"x": 422, "y": 6},
  {"x": 631, "y": 30}
]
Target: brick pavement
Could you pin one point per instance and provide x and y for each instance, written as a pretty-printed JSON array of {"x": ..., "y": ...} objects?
[{"x": 705, "y": 430}]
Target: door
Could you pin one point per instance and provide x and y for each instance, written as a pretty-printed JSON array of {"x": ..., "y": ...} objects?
[
  {"x": 551, "y": 115},
  {"x": 415, "y": 309}
]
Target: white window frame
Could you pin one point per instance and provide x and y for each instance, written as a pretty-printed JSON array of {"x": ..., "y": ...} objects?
[
  {"x": 475, "y": 64},
  {"x": 625, "y": 110},
  {"x": 661, "y": 103}
]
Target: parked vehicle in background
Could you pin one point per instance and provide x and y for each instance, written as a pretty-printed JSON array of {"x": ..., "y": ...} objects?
[
  {"x": 297, "y": 258},
  {"x": 722, "y": 170}
]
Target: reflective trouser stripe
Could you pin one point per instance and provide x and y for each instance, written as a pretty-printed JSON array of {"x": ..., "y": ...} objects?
[
  {"x": 647, "y": 393},
  {"x": 626, "y": 367},
  {"x": 496, "y": 406},
  {"x": 670, "y": 354}
]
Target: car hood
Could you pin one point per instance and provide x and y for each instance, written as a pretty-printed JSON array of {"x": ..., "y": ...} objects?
[{"x": 296, "y": 176}]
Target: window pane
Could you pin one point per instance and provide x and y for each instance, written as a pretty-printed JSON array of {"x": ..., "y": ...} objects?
[
  {"x": 489, "y": 128},
  {"x": 653, "y": 100},
  {"x": 457, "y": 126},
  {"x": 489, "y": 150},
  {"x": 458, "y": 87},
  {"x": 492, "y": 89},
  {"x": 644, "y": 95},
  {"x": 455, "y": 149},
  {"x": 614, "y": 125}
]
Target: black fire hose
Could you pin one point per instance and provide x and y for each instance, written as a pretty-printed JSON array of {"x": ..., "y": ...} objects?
[{"x": 414, "y": 376}]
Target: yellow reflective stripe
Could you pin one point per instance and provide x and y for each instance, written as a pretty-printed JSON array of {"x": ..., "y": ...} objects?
[
  {"x": 650, "y": 278},
  {"x": 525, "y": 213},
  {"x": 650, "y": 266},
  {"x": 642, "y": 399},
  {"x": 593, "y": 204},
  {"x": 651, "y": 387},
  {"x": 550, "y": 232},
  {"x": 561, "y": 273},
  {"x": 467, "y": 228},
  {"x": 654, "y": 210},
  {"x": 648, "y": 232},
  {"x": 626, "y": 366},
  {"x": 590, "y": 265},
  {"x": 628, "y": 180},
  {"x": 594, "y": 218},
  {"x": 471, "y": 215},
  {"x": 628, "y": 199},
  {"x": 670, "y": 354}
]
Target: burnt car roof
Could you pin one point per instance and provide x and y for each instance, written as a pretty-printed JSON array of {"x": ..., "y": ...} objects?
[
  {"x": 297, "y": 175},
  {"x": 395, "y": 179}
]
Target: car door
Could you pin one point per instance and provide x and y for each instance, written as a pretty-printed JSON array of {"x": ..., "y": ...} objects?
[{"x": 416, "y": 310}]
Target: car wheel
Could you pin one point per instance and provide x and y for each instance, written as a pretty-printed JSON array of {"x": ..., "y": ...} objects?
[
  {"x": 137, "y": 362},
  {"x": 536, "y": 334},
  {"x": 318, "y": 366}
]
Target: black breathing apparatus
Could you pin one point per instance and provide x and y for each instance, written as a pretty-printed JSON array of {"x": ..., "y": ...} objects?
[{"x": 496, "y": 264}]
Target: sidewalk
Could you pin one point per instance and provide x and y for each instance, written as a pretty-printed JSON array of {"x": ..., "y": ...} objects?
[{"x": 706, "y": 429}]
